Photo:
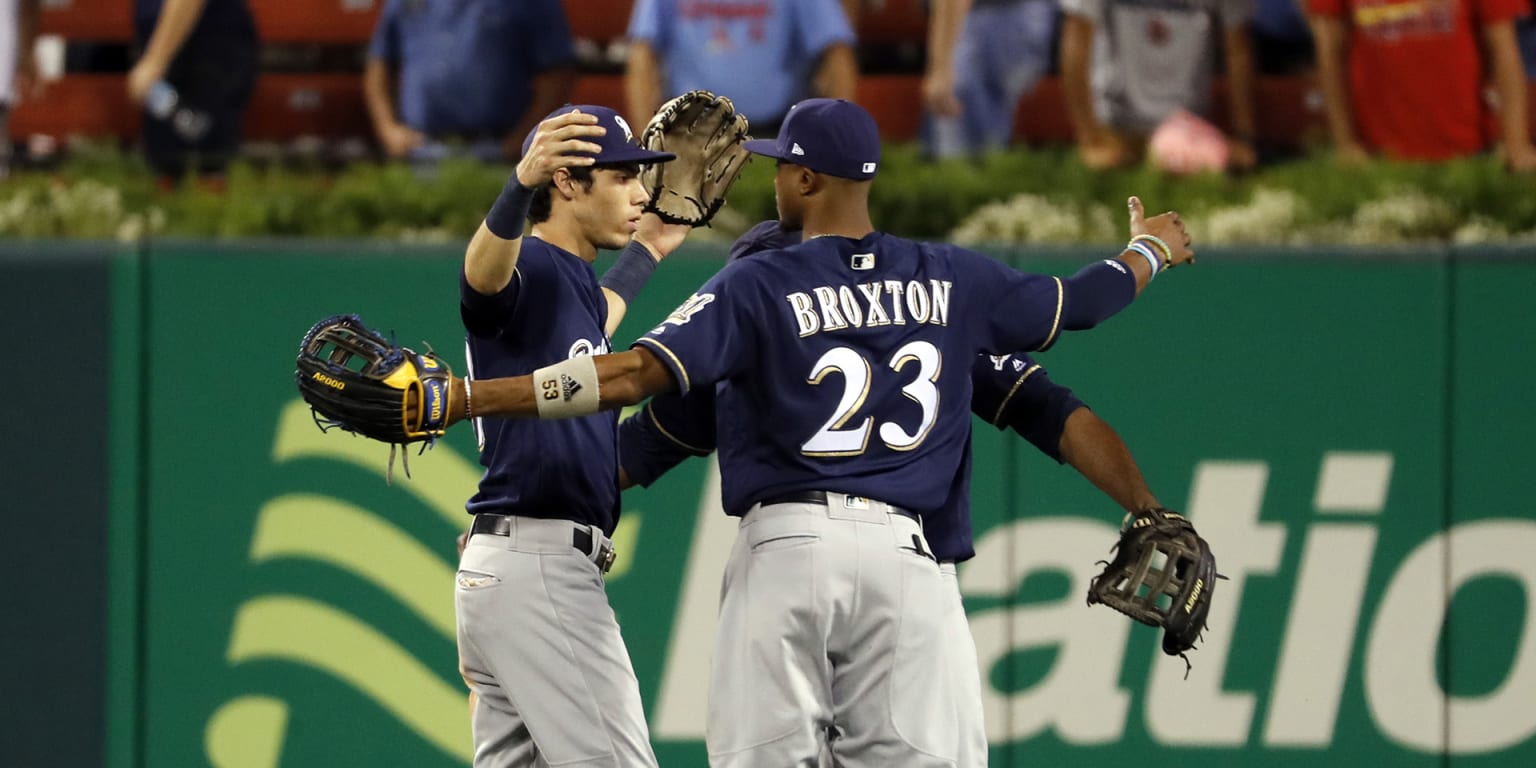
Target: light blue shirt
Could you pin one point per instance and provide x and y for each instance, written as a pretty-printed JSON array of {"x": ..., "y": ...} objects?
[
  {"x": 759, "y": 53},
  {"x": 466, "y": 67}
]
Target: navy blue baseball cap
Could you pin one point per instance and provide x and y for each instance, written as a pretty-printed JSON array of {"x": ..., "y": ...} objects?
[
  {"x": 832, "y": 136},
  {"x": 618, "y": 143}
]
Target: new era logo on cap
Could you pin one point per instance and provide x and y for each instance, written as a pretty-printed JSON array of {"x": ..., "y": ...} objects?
[{"x": 840, "y": 139}]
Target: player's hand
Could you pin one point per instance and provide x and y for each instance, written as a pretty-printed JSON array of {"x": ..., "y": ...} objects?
[
  {"x": 659, "y": 237},
  {"x": 939, "y": 92},
  {"x": 1520, "y": 158},
  {"x": 463, "y": 541},
  {"x": 1166, "y": 227},
  {"x": 398, "y": 139},
  {"x": 1104, "y": 151},
  {"x": 1350, "y": 154},
  {"x": 1241, "y": 156},
  {"x": 144, "y": 75},
  {"x": 555, "y": 145}
]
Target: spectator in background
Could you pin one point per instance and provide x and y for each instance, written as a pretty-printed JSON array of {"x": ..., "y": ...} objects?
[
  {"x": 1128, "y": 66},
  {"x": 763, "y": 54},
  {"x": 1525, "y": 30},
  {"x": 475, "y": 75},
  {"x": 1282, "y": 41},
  {"x": 1406, "y": 79},
  {"x": 195, "y": 76},
  {"x": 971, "y": 86},
  {"x": 18, "y": 67}
]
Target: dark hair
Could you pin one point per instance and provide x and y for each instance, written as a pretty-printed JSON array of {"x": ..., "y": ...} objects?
[{"x": 540, "y": 208}]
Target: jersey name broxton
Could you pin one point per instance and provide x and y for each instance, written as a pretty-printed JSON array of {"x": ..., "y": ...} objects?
[{"x": 869, "y": 305}]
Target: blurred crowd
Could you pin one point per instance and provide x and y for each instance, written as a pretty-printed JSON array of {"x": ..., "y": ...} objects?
[{"x": 1406, "y": 79}]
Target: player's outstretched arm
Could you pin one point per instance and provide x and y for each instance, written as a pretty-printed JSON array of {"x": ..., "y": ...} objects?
[
  {"x": 1014, "y": 392},
  {"x": 668, "y": 430},
  {"x": 1096, "y": 451},
  {"x": 580, "y": 386},
  {"x": 492, "y": 253},
  {"x": 653, "y": 241}
]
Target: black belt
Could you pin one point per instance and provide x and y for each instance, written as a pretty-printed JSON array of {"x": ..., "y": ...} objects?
[
  {"x": 820, "y": 497},
  {"x": 581, "y": 537}
]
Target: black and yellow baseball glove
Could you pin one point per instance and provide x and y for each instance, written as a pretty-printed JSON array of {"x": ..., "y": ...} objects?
[
  {"x": 356, "y": 380},
  {"x": 706, "y": 133},
  {"x": 1163, "y": 575}
]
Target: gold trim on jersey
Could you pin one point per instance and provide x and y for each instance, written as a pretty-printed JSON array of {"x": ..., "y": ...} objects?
[
  {"x": 685, "y": 385},
  {"x": 1030, "y": 371},
  {"x": 1061, "y": 297}
]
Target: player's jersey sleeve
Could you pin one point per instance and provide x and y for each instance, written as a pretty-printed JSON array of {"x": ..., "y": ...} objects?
[
  {"x": 822, "y": 24},
  {"x": 1013, "y": 391},
  {"x": 385, "y": 44},
  {"x": 666, "y": 431},
  {"x": 553, "y": 46},
  {"x": 1019, "y": 310},
  {"x": 485, "y": 315},
  {"x": 766, "y": 236},
  {"x": 712, "y": 335},
  {"x": 645, "y": 23}
]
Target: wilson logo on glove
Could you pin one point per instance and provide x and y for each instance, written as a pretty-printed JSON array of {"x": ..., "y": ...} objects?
[
  {"x": 357, "y": 381},
  {"x": 1163, "y": 575}
]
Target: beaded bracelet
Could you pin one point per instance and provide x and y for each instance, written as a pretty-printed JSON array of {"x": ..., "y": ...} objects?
[
  {"x": 1162, "y": 247},
  {"x": 1143, "y": 249}
]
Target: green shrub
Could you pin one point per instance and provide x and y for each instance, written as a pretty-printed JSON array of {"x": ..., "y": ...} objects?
[{"x": 1023, "y": 196}]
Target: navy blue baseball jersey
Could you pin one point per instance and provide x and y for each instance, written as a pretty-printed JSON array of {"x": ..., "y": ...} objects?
[
  {"x": 833, "y": 353},
  {"x": 552, "y": 310},
  {"x": 1011, "y": 392}
]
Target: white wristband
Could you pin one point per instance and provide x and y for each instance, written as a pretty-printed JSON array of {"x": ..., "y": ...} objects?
[{"x": 567, "y": 388}]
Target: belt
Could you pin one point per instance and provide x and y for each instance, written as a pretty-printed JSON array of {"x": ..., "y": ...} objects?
[
  {"x": 820, "y": 497},
  {"x": 581, "y": 537}
]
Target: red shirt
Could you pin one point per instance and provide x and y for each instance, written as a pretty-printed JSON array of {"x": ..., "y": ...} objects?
[{"x": 1416, "y": 72}]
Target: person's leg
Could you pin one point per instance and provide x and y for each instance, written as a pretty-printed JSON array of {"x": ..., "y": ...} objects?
[
  {"x": 965, "y": 673},
  {"x": 892, "y": 695},
  {"x": 1016, "y": 54},
  {"x": 542, "y": 650},
  {"x": 769, "y": 702}
]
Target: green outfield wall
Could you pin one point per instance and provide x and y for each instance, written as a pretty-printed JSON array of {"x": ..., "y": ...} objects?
[{"x": 1352, "y": 433}]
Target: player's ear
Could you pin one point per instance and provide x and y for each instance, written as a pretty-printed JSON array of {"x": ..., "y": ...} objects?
[
  {"x": 564, "y": 183},
  {"x": 807, "y": 181}
]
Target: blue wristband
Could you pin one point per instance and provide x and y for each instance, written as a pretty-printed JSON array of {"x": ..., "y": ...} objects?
[
  {"x": 1145, "y": 250},
  {"x": 1162, "y": 247},
  {"x": 629, "y": 274},
  {"x": 510, "y": 210}
]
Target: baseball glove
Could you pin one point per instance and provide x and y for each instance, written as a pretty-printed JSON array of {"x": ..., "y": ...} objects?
[
  {"x": 706, "y": 133},
  {"x": 1163, "y": 574},
  {"x": 356, "y": 380}
]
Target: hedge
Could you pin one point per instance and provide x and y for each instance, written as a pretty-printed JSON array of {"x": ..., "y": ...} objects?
[{"x": 1020, "y": 196}]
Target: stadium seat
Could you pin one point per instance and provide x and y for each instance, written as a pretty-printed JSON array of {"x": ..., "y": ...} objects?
[
  {"x": 78, "y": 105},
  {"x": 315, "y": 21},
  {"x": 326, "y": 105},
  {"x": 892, "y": 22},
  {"x": 600, "y": 21},
  {"x": 99, "y": 20}
]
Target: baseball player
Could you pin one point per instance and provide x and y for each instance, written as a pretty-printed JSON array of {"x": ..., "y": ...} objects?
[
  {"x": 839, "y": 430},
  {"x": 538, "y": 643},
  {"x": 1010, "y": 391}
]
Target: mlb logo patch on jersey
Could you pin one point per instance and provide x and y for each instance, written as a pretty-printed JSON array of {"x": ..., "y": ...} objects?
[{"x": 862, "y": 261}]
